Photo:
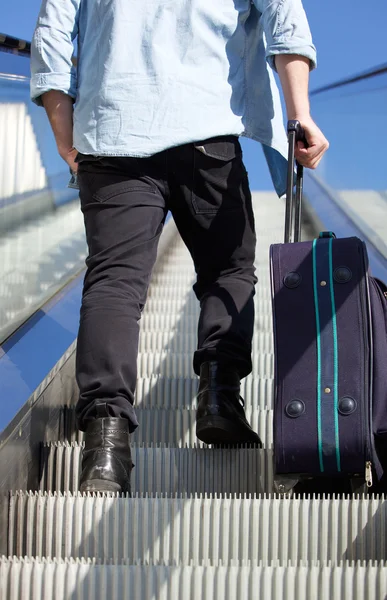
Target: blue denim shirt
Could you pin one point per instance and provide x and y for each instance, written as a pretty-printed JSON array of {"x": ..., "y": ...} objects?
[{"x": 153, "y": 74}]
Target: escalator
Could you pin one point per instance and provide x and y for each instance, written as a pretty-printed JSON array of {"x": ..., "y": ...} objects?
[{"x": 202, "y": 523}]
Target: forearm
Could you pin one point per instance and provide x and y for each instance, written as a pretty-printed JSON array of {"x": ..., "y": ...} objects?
[
  {"x": 293, "y": 71},
  {"x": 59, "y": 109}
]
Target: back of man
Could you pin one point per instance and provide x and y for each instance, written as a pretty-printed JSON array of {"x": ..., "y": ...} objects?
[
  {"x": 159, "y": 74},
  {"x": 163, "y": 89}
]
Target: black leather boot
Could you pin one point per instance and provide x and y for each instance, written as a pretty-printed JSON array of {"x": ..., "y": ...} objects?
[
  {"x": 220, "y": 418},
  {"x": 107, "y": 462}
]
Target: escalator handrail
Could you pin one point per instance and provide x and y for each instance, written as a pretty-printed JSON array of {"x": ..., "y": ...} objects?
[
  {"x": 19, "y": 47},
  {"x": 13, "y": 45},
  {"x": 374, "y": 72}
]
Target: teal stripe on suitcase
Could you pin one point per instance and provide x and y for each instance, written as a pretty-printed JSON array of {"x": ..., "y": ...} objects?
[{"x": 327, "y": 356}]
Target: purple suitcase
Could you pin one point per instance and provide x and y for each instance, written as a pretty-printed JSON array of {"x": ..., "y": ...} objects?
[{"x": 330, "y": 345}]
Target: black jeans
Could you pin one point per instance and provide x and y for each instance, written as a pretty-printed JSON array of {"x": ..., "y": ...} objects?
[{"x": 125, "y": 201}]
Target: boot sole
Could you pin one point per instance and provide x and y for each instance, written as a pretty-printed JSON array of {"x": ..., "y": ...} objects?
[
  {"x": 219, "y": 431},
  {"x": 100, "y": 486}
]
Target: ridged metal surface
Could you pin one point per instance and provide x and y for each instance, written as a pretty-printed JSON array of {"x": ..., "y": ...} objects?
[
  {"x": 170, "y": 281},
  {"x": 83, "y": 580},
  {"x": 176, "y": 427},
  {"x": 170, "y": 470},
  {"x": 180, "y": 365},
  {"x": 180, "y": 392},
  {"x": 162, "y": 392},
  {"x": 166, "y": 340},
  {"x": 37, "y": 259},
  {"x": 184, "y": 529},
  {"x": 168, "y": 322},
  {"x": 183, "y": 291},
  {"x": 201, "y": 523},
  {"x": 20, "y": 159},
  {"x": 190, "y": 308}
]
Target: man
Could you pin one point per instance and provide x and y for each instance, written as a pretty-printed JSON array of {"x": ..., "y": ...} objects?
[{"x": 162, "y": 90}]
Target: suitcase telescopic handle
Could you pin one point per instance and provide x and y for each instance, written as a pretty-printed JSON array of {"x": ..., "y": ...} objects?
[{"x": 293, "y": 201}]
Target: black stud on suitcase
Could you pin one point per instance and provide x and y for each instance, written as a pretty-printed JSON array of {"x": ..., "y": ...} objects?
[{"x": 330, "y": 341}]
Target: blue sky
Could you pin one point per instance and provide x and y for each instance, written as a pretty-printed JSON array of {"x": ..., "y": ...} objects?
[{"x": 350, "y": 37}]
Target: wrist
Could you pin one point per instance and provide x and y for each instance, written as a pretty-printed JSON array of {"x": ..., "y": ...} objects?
[
  {"x": 299, "y": 111},
  {"x": 299, "y": 116},
  {"x": 65, "y": 149}
]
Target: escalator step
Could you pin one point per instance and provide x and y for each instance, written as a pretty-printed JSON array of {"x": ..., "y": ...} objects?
[
  {"x": 84, "y": 580},
  {"x": 183, "y": 291},
  {"x": 174, "y": 427},
  {"x": 169, "y": 364},
  {"x": 187, "y": 308},
  {"x": 154, "y": 391},
  {"x": 170, "y": 470},
  {"x": 180, "y": 392},
  {"x": 189, "y": 530},
  {"x": 169, "y": 341},
  {"x": 167, "y": 322}
]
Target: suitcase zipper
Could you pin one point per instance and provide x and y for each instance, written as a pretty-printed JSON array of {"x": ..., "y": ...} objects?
[
  {"x": 381, "y": 291},
  {"x": 366, "y": 318},
  {"x": 368, "y": 473},
  {"x": 366, "y": 307}
]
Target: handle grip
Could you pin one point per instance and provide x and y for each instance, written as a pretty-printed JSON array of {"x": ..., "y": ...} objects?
[
  {"x": 296, "y": 126},
  {"x": 294, "y": 201}
]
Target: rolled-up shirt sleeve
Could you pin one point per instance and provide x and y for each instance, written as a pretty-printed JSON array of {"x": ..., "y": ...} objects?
[
  {"x": 286, "y": 29},
  {"x": 52, "y": 49}
]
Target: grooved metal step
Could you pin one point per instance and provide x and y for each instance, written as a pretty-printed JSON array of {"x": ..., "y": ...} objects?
[
  {"x": 85, "y": 580},
  {"x": 180, "y": 392},
  {"x": 170, "y": 470},
  {"x": 166, "y": 284},
  {"x": 171, "y": 322},
  {"x": 189, "y": 530},
  {"x": 176, "y": 427},
  {"x": 190, "y": 308},
  {"x": 184, "y": 292},
  {"x": 202, "y": 523},
  {"x": 180, "y": 365},
  {"x": 166, "y": 340}
]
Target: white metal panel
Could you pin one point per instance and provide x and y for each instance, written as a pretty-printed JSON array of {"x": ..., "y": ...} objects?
[
  {"x": 21, "y": 164},
  {"x": 29, "y": 579}
]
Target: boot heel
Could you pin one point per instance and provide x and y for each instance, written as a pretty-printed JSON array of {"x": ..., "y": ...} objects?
[
  {"x": 100, "y": 486},
  {"x": 217, "y": 430},
  {"x": 220, "y": 415},
  {"x": 106, "y": 461},
  {"x": 213, "y": 429}
]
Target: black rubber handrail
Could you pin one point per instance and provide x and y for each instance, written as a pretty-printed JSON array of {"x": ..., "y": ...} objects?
[
  {"x": 19, "y": 47},
  {"x": 374, "y": 72},
  {"x": 14, "y": 45}
]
